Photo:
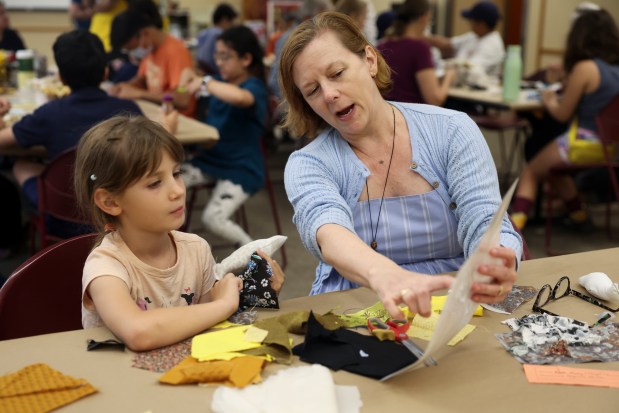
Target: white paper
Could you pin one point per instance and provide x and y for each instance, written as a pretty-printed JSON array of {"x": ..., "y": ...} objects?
[
  {"x": 459, "y": 307},
  {"x": 310, "y": 389}
]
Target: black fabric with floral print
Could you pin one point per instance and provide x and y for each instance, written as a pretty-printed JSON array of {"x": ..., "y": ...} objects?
[{"x": 257, "y": 291}]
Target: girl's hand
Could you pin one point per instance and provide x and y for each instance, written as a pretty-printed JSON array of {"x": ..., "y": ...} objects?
[
  {"x": 503, "y": 274},
  {"x": 278, "y": 277},
  {"x": 170, "y": 121},
  {"x": 411, "y": 289},
  {"x": 5, "y": 106},
  {"x": 549, "y": 97},
  {"x": 227, "y": 289}
]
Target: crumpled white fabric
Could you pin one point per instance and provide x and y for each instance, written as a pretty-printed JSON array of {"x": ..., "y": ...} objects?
[
  {"x": 541, "y": 329},
  {"x": 305, "y": 389},
  {"x": 238, "y": 259},
  {"x": 601, "y": 286}
]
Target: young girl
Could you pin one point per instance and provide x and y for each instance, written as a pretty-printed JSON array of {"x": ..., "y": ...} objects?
[
  {"x": 592, "y": 65},
  {"x": 128, "y": 179},
  {"x": 238, "y": 109}
]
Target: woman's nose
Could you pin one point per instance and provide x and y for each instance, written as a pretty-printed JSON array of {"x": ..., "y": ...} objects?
[{"x": 330, "y": 93}]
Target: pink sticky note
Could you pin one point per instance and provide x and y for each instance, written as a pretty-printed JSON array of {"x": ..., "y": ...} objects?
[{"x": 571, "y": 376}]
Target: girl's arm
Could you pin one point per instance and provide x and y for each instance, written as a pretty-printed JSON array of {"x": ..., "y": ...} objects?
[
  {"x": 434, "y": 92},
  {"x": 224, "y": 91},
  {"x": 146, "y": 330},
  {"x": 584, "y": 78}
]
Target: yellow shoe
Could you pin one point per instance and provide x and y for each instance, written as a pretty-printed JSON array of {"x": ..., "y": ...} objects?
[{"x": 519, "y": 219}]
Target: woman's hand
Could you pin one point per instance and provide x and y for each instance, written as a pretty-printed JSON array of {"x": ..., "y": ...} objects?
[
  {"x": 503, "y": 275},
  {"x": 411, "y": 289},
  {"x": 278, "y": 277},
  {"x": 227, "y": 289}
]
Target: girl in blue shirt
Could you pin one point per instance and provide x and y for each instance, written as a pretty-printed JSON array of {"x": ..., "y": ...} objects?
[{"x": 238, "y": 109}]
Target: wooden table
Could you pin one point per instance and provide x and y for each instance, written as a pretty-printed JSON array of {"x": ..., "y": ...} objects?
[
  {"x": 477, "y": 375},
  {"x": 189, "y": 131},
  {"x": 493, "y": 98}
]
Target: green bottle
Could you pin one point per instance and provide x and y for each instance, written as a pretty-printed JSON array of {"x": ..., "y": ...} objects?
[{"x": 512, "y": 73}]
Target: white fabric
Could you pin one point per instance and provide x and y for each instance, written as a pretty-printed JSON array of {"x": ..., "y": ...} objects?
[
  {"x": 239, "y": 258},
  {"x": 306, "y": 389},
  {"x": 601, "y": 286},
  {"x": 486, "y": 52}
]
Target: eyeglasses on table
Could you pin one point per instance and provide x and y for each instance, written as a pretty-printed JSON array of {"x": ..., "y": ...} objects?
[{"x": 562, "y": 289}]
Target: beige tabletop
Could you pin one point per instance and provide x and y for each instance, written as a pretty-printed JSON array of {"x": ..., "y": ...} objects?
[
  {"x": 492, "y": 97},
  {"x": 190, "y": 131},
  {"x": 477, "y": 375}
]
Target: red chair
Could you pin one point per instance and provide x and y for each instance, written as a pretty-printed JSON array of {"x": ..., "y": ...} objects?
[
  {"x": 44, "y": 294},
  {"x": 56, "y": 199},
  {"x": 607, "y": 122}
]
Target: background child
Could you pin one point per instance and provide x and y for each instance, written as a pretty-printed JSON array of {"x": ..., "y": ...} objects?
[
  {"x": 592, "y": 65},
  {"x": 59, "y": 124},
  {"x": 162, "y": 57},
  {"x": 238, "y": 109},
  {"x": 128, "y": 179}
]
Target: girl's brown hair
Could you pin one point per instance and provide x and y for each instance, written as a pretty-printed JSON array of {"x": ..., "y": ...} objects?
[
  {"x": 301, "y": 119},
  {"x": 113, "y": 155},
  {"x": 593, "y": 35}
]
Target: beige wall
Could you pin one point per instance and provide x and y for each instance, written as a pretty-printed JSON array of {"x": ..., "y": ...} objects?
[{"x": 547, "y": 28}]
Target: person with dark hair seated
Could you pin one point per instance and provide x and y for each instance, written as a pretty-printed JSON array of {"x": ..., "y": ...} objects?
[
  {"x": 163, "y": 58},
  {"x": 224, "y": 17},
  {"x": 9, "y": 38},
  {"x": 59, "y": 124},
  {"x": 483, "y": 45}
]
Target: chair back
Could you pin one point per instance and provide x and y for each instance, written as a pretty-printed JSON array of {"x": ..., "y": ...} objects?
[
  {"x": 56, "y": 192},
  {"x": 607, "y": 122},
  {"x": 43, "y": 295}
]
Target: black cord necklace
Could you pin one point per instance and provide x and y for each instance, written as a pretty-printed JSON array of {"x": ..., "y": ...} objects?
[{"x": 373, "y": 231}]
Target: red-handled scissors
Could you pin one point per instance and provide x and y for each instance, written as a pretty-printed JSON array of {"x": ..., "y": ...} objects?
[{"x": 400, "y": 329}]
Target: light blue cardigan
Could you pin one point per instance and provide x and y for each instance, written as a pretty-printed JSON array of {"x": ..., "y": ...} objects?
[{"x": 324, "y": 179}]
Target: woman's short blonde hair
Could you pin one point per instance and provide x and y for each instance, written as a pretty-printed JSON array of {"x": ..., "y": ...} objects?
[{"x": 301, "y": 120}]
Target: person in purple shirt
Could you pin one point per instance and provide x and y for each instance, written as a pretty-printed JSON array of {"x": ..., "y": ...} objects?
[{"x": 410, "y": 58}]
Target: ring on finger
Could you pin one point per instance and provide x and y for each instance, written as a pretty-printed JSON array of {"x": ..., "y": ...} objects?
[{"x": 500, "y": 292}]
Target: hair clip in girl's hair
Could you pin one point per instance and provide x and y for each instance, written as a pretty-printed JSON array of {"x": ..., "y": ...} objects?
[
  {"x": 93, "y": 177},
  {"x": 109, "y": 227}
]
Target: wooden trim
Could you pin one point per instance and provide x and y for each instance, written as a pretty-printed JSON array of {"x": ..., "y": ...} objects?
[
  {"x": 551, "y": 51},
  {"x": 540, "y": 34}
]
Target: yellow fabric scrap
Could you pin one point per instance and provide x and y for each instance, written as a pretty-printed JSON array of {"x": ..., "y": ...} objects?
[
  {"x": 38, "y": 388},
  {"x": 238, "y": 372},
  {"x": 255, "y": 334},
  {"x": 205, "y": 345},
  {"x": 438, "y": 302},
  {"x": 360, "y": 318},
  {"x": 423, "y": 328}
]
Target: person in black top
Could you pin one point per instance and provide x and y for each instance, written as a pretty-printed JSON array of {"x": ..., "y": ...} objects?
[{"x": 9, "y": 38}]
